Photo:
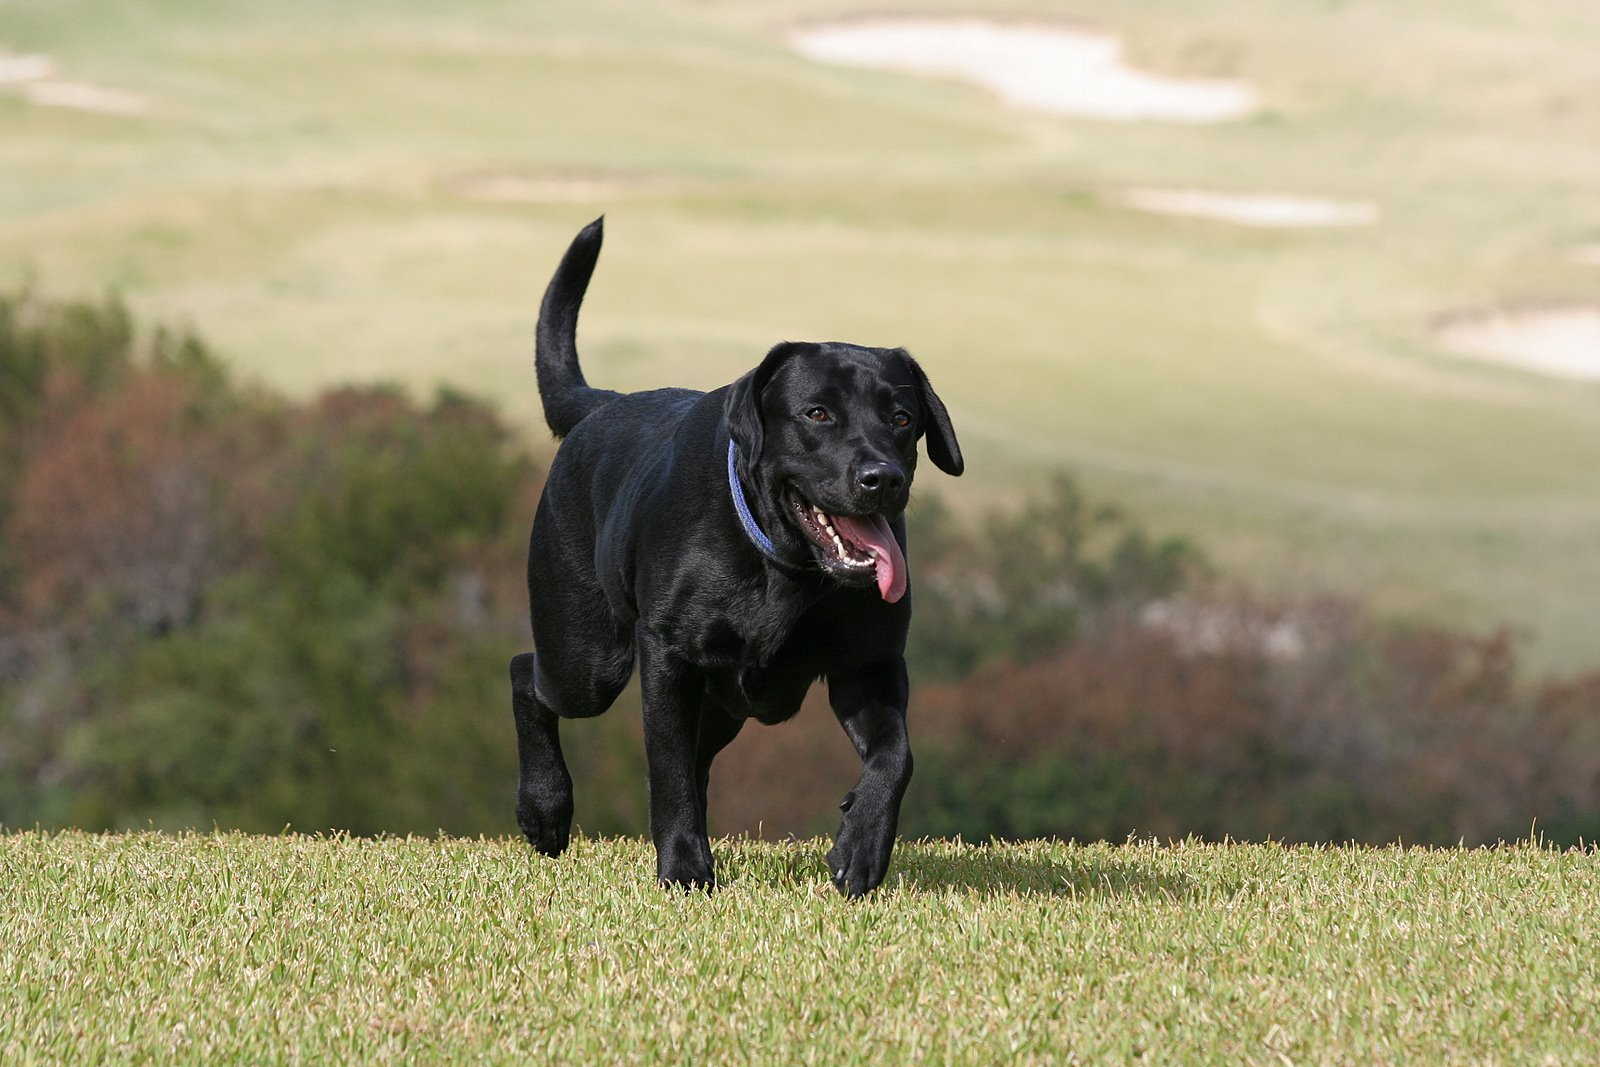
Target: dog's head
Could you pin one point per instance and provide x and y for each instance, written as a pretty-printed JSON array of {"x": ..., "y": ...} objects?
[{"x": 827, "y": 438}]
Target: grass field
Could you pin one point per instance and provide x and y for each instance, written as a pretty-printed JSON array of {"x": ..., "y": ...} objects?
[
  {"x": 381, "y": 193},
  {"x": 232, "y": 948}
]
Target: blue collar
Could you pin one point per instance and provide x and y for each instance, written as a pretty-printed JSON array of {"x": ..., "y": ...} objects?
[{"x": 741, "y": 507}]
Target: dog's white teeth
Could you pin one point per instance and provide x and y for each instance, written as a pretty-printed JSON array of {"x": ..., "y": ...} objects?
[{"x": 837, "y": 543}]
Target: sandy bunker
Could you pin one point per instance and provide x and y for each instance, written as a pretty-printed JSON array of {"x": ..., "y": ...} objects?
[
  {"x": 34, "y": 77},
  {"x": 1560, "y": 341},
  {"x": 1065, "y": 71},
  {"x": 1269, "y": 210}
]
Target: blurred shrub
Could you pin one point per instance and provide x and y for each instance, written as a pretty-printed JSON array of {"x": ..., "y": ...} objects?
[
  {"x": 220, "y": 606},
  {"x": 1219, "y": 715},
  {"x": 1022, "y": 584}
]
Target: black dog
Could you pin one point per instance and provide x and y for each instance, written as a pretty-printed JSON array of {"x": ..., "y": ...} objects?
[{"x": 741, "y": 543}]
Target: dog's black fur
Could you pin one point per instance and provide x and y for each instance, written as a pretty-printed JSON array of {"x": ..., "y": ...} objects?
[{"x": 637, "y": 551}]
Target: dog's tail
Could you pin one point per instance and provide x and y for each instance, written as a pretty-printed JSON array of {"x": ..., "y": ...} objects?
[{"x": 567, "y": 397}]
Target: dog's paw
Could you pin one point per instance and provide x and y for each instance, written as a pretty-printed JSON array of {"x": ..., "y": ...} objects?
[
  {"x": 546, "y": 822},
  {"x": 859, "y": 858},
  {"x": 686, "y": 865}
]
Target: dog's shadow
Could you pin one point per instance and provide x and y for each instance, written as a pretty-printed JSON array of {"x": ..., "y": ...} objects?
[
  {"x": 1024, "y": 869},
  {"x": 1033, "y": 869}
]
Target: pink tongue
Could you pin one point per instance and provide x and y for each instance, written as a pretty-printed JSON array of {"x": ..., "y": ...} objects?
[{"x": 873, "y": 532}]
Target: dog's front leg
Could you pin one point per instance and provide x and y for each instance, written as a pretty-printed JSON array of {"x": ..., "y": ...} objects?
[
  {"x": 673, "y": 693},
  {"x": 872, "y": 709}
]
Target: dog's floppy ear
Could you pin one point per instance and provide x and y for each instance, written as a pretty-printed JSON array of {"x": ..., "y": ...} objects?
[
  {"x": 742, "y": 408},
  {"x": 943, "y": 448}
]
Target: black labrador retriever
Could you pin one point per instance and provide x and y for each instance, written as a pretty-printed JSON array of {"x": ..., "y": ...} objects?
[{"x": 740, "y": 543}]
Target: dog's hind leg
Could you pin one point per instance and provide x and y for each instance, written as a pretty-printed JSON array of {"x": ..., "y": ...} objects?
[
  {"x": 583, "y": 661},
  {"x": 544, "y": 786}
]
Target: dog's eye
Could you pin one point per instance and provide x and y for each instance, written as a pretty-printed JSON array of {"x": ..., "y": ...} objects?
[
  {"x": 901, "y": 419},
  {"x": 819, "y": 414}
]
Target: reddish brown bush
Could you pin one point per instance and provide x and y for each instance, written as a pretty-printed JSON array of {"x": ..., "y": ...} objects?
[
  {"x": 1304, "y": 721},
  {"x": 123, "y": 505}
]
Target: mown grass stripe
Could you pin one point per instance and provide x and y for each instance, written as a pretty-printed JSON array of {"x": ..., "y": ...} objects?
[{"x": 229, "y": 947}]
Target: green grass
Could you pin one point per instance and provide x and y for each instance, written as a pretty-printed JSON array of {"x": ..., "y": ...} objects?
[
  {"x": 233, "y": 948},
  {"x": 304, "y": 194}
]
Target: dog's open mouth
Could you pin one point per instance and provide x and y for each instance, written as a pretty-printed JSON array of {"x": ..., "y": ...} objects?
[{"x": 860, "y": 547}]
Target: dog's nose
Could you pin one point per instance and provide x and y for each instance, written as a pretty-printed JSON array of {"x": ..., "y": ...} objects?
[{"x": 880, "y": 480}]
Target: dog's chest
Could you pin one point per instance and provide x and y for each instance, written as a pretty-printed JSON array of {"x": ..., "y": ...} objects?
[
  {"x": 761, "y": 662},
  {"x": 770, "y": 692},
  {"x": 749, "y": 647}
]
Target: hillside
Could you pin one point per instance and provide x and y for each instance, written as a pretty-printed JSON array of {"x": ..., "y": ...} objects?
[{"x": 382, "y": 196}]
